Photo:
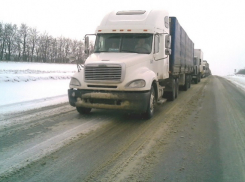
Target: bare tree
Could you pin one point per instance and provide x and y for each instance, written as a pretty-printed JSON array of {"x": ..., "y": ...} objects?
[
  {"x": 66, "y": 50},
  {"x": 10, "y": 32},
  {"x": 37, "y": 49},
  {"x": 23, "y": 32},
  {"x": 80, "y": 52},
  {"x": 32, "y": 38},
  {"x": 61, "y": 44},
  {"x": 53, "y": 50},
  {"x": 1, "y": 40},
  {"x": 18, "y": 47},
  {"x": 44, "y": 47},
  {"x": 26, "y": 44}
]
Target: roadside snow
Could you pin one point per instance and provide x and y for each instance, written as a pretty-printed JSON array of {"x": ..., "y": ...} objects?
[
  {"x": 27, "y": 86},
  {"x": 45, "y": 67},
  {"x": 22, "y": 96},
  {"x": 238, "y": 80},
  {"x": 25, "y": 72}
]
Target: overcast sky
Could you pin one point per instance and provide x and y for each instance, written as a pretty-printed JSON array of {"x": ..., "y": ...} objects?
[{"x": 215, "y": 26}]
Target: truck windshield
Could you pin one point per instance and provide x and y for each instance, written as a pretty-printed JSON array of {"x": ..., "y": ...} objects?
[{"x": 115, "y": 42}]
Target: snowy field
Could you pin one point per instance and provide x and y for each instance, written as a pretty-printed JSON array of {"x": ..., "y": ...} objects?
[
  {"x": 238, "y": 80},
  {"x": 27, "y": 86}
]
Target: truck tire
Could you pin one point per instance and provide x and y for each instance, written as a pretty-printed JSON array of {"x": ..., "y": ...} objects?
[
  {"x": 176, "y": 87},
  {"x": 83, "y": 110},
  {"x": 199, "y": 77},
  {"x": 196, "y": 80},
  {"x": 171, "y": 95},
  {"x": 186, "y": 86},
  {"x": 151, "y": 104}
]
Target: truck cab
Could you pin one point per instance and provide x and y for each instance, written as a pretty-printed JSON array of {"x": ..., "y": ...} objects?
[
  {"x": 198, "y": 65},
  {"x": 129, "y": 68}
]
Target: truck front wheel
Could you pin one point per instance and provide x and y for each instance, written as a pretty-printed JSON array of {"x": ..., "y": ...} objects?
[
  {"x": 176, "y": 87},
  {"x": 172, "y": 94},
  {"x": 83, "y": 110},
  {"x": 196, "y": 80},
  {"x": 199, "y": 77},
  {"x": 151, "y": 104},
  {"x": 187, "y": 82}
]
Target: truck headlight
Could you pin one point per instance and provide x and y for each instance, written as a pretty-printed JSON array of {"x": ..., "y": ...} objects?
[
  {"x": 136, "y": 84},
  {"x": 75, "y": 82}
]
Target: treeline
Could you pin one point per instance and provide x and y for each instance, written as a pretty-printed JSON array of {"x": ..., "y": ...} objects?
[
  {"x": 242, "y": 72},
  {"x": 27, "y": 44}
]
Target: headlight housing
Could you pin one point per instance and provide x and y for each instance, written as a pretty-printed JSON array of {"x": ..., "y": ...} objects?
[
  {"x": 74, "y": 82},
  {"x": 136, "y": 84}
]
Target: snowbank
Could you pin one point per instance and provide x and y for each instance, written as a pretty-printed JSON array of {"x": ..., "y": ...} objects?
[
  {"x": 46, "y": 67},
  {"x": 25, "y": 72},
  {"x": 238, "y": 80},
  {"x": 27, "y": 86}
]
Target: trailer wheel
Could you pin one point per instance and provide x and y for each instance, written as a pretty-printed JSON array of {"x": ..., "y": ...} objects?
[
  {"x": 186, "y": 86},
  {"x": 189, "y": 78},
  {"x": 171, "y": 95},
  {"x": 83, "y": 110},
  {"x": 199, "y": 77},
  {"x": 196, "y": 80},
  {"x": 176, "y": 87},
  {"x": 151, "y": 104}
]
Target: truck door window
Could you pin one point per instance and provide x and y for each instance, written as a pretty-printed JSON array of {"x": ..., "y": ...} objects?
[
  {"x": 195, "y": 61},
  {"x": 156, "y": 43}
]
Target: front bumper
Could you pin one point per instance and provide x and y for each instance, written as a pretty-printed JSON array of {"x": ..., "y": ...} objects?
[{"x": 131, "y": 101}]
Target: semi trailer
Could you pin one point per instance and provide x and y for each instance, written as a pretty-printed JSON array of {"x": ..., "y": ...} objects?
[
  {"x": 207, "y": 71},
  {"x": 204, "y": 66},
  {"x": 198, "y": 68},
  {"x": 140, "y": 59}
]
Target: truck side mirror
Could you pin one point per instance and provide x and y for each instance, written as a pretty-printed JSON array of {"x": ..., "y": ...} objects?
[
  {"x": 168, "y": 41},
  {"x": 72, "y": 58},
  {"x": 86, "y": 51},
  {"x": 86, "y": 45},
  {"x": 168, "y": 51}
]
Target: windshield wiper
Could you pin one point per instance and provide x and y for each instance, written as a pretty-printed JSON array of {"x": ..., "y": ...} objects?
[
  {"x": 100, "y": 51},
  {"x": 129, "y": 51},
  {"x": 135, "y": 52}
]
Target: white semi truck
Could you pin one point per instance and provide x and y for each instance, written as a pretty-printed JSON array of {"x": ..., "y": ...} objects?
[
  {"x": 198, "y": 65},
  {"x": 140, "y": 58},
  {"x": 206, "y": 68}
]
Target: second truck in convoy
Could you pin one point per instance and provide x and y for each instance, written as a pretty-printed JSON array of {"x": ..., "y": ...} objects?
[
  {"x": 198, "y": 68},
  {"x": 206, "y": 69},
  {"x": 140, "y": 58},
  {"x": 201, "y": 67}
]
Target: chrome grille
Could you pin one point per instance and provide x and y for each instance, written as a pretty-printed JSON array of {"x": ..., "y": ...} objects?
[{"x": 103, "y": 72}]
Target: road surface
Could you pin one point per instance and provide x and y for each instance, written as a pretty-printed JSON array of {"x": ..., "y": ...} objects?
[{"x": 198, "y": 137}]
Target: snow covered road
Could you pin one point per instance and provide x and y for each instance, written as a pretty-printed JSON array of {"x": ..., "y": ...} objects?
[
  {"x": 198, "y": 137},
  {"x": 42, "y": 138}
]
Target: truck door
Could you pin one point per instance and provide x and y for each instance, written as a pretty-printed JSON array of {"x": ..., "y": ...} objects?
[
  {"x": 157, "y": 53},
  {"x": 161, "y": 63}
]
